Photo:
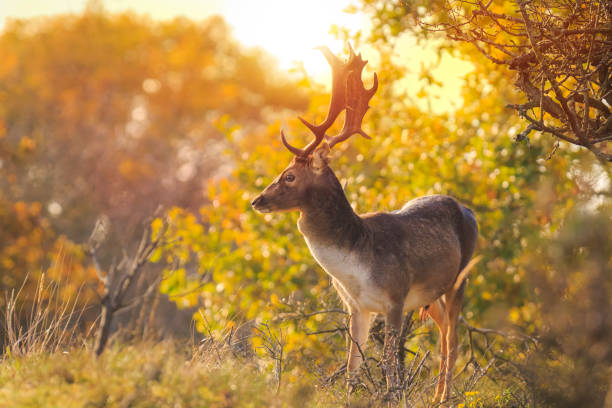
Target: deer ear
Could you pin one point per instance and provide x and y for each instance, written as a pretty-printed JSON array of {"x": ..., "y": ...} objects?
[{"x": 320, "y": 157}]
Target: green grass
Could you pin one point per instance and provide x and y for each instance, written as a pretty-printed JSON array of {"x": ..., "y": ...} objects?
[
  {"x": 150, "y": 375},
  {"x": 169, "y": 374}
]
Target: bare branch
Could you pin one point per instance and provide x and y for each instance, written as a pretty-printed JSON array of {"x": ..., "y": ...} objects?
[
  {"x": 562, "y": 46},
  {"x": 120, "y": 278}
]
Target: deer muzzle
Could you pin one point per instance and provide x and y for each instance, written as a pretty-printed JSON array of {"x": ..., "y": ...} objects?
[{"x": 260, "y": 204}]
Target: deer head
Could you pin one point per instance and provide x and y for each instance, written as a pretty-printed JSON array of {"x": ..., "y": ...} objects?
[{"x": 309, "y": 169}]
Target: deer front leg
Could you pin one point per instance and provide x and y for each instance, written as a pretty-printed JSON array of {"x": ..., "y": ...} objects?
[
  {"x": 393, "y": 326},
  {"x": 358, "y": 328}
]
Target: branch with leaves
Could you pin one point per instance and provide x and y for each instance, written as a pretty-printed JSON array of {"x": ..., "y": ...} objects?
[{"x": 562, "y": 53}]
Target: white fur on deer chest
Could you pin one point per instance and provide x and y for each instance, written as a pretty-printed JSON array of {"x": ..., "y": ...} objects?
[{"x": 352, "y": 274}]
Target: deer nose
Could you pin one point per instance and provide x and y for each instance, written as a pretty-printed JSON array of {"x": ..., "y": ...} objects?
[{"x": 257, "y": 201}]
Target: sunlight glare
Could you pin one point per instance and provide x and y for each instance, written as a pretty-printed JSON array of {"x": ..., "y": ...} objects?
[{"x": 291, "y": 30}]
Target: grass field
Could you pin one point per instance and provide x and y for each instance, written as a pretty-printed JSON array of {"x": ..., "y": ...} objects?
[
  {"x": 149, "y": 374},
  {"x": 173, "y": 374}
]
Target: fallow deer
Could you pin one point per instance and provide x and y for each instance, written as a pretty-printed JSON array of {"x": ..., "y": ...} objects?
[{"x": 384, "y": 262}]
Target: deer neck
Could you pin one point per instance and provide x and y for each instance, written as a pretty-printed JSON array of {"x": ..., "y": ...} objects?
[{"x": 327, "y": 218}]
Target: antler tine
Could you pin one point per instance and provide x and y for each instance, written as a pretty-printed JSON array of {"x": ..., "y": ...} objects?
[
  {"x": 347, "y": 93},
  {"x": 311, "y": 146},
  {"x": 292, "y": 149},
  {"x": 358, "y": 98},
  {"x": 352, "y": 51}
]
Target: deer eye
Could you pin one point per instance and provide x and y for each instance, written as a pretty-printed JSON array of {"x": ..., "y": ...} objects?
[{"x": 289, "y": 177}]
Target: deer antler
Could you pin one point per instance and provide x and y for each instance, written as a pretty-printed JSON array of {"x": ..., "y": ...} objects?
[{"x": 348, "y": 93}]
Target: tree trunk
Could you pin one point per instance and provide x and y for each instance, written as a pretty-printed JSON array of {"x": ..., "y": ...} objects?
[{"x": 105, "y": 325}]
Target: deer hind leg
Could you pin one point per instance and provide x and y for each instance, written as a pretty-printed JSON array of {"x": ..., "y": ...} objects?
[
  {"x": 437, "y": 311},
  {"x": 453, "y": 308}
]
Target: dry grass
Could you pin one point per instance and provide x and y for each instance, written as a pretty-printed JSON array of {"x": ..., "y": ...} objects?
[
  {"x": 47, "y": 362},
  {"x": 48, "y": 325}
]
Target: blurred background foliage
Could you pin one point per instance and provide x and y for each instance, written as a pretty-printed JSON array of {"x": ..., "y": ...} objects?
[
  {"x": 113, "y": 115},
  {"x": 116, "y": 114}
]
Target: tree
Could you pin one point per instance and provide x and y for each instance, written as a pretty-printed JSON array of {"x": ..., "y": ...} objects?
[
  {"x": 571, "y": 274},
  {"x": 116, "y": 114},
  {"x": 561, "y": 52},
  {"x": 32, "y": 258}
]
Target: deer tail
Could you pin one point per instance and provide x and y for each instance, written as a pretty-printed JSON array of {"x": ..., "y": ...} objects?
[{"x": 465, "y": 272}]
